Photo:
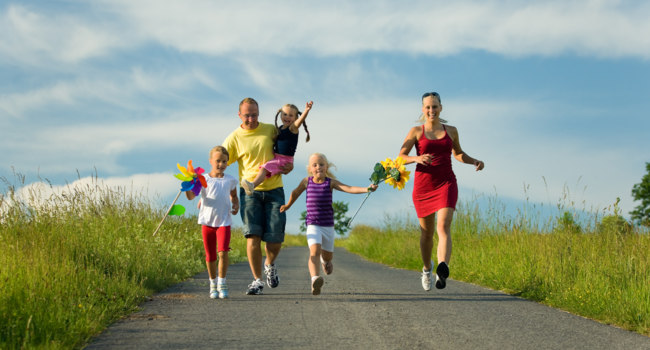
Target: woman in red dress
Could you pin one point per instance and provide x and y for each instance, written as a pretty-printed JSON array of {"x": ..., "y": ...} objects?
[{"x": 435, "y": 189}]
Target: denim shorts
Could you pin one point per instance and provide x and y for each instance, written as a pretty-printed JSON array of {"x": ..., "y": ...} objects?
[{"x": 260, "y": 213}]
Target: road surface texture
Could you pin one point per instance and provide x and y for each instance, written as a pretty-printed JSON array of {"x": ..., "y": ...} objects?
[{"x": 363, "y": 305}]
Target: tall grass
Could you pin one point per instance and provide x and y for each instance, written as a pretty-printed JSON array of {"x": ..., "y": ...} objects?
[
  {"x": 596, "y": 271},
  {"x": 77, "y": 261}
]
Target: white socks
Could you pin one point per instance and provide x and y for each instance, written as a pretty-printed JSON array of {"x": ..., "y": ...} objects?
[{"x": 217, "y": 280}]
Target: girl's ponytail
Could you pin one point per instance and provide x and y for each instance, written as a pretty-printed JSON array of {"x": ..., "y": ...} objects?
[
  {"x": 276, "y": 118},
  {"x": 307, "y": 131}
]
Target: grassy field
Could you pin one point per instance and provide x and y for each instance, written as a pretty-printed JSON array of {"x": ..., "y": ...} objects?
[{"x": 77, "y": 262}]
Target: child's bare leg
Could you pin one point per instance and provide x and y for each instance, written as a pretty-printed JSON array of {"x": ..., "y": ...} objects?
[
  {"x": 212, "y": 269},
  {"x": 314, "y": 268},
  {"x": 261, "y": 175},
  {"x": 327, "y": 256},
  {"x": 314, "y": 260},
  {"x": 326, "y": 261},
  {"x": 249, "y": 187},
  {"x": 223, "y": 264}
]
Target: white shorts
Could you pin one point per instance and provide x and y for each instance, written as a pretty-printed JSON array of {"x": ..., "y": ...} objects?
[{"x": 323, "y": 235}]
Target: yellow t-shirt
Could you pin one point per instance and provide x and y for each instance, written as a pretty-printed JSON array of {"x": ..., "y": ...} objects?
[{"x": 250, "y": 149}]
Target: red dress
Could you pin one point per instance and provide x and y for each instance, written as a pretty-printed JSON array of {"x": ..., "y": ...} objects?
[{"x": 435, "y": 184}]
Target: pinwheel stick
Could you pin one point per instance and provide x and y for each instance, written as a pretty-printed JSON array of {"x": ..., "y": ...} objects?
[{"x": 168, "y": 211}]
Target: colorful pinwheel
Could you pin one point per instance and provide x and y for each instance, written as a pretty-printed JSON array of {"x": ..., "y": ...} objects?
[
  {"x": 390, "y": 171},
  {"x": 192, "y": 180}
]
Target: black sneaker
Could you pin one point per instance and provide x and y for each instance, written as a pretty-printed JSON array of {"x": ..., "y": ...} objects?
[
  {"x": 442, "y": 273},
  {"x": 272, "y": 278},
  {"x": 255, "y": 288}
]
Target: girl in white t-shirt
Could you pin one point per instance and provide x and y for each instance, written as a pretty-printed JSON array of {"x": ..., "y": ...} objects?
[{"x": 217, "y": 204}]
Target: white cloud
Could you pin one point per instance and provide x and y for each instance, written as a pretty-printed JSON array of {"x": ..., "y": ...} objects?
[
  {"x": 62, "y": 149},
  {"x": 43, "y": 196},
  {"x": 17, "y": 103},
  {"x": 340, "y": 28},
  {"x": 35, "y": 37},
  {"x": 117, "y": 89}
]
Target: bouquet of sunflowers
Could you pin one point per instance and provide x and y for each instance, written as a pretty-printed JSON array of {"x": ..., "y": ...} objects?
[{"x": 390, "y": 171}]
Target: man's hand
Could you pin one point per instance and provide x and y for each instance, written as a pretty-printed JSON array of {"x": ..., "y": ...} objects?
[{"x": 287, "y": 168}]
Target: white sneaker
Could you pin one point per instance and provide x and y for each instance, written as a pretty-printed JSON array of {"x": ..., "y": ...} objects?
[
  {"x": 272, "y": 278},
  {"x": 427, "y": 279},
  {"x": 222, "y": 289},
  {"x": 255, "y": 288},
  {"x": 316, "y": 285},
  {"x": 248, "y": 186},
  {"x": 214, "y": 293},
  {"x": 328, "y": 267}
]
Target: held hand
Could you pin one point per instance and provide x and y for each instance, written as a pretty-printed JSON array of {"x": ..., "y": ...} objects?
[
  {"x": 287, "y": 168},
  {"x": 372, "y": 188},
  {"x": 479, "y": 165},
  {"x": 425, "y": 159},
  {"x": 235, "y": 209}
]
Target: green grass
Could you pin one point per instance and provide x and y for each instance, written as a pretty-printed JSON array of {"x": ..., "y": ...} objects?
[
  {"x": 601, "y": 273},
  {"x": 73, "y": 266}
]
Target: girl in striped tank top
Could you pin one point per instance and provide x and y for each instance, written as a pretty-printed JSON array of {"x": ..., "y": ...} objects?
[{"x": 320, "y": 215}]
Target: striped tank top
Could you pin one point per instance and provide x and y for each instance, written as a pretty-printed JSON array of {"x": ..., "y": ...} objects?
[{"x": 319, "y": 203}]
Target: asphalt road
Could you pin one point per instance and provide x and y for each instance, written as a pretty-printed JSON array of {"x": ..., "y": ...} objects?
[{"x": 363, "y": 305}]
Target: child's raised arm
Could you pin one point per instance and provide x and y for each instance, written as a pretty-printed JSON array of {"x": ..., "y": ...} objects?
[
  {"x": 295, "y": 194},
  {"x": 296, "y": 124},
  {"x": 338, "y": 185}
]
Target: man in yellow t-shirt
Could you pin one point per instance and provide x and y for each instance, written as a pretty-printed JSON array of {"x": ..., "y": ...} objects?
[{"x": 251, "y": 145}]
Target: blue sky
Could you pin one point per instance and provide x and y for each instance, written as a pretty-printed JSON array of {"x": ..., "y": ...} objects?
[{"x": 552, "y": 95}]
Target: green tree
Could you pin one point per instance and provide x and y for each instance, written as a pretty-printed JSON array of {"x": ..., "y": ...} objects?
[
  {"x": 615, "y": 224},
  {"x": 567, "y": 223},
  {"x": 641, "y": 192},
  {"x": 340, "y": 219}
]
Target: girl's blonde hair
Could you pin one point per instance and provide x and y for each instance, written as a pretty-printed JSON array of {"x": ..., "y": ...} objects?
[
  {"x": 328, "y": 173},
  {"x": 422, "y": 118},
  {"x": 219, "y": 149},
  {"x": 298, "y": 114}
]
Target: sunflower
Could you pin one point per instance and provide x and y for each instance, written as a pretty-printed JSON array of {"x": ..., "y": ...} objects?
[
  {"x": 398, "y": 175},
  {"x": 387, "y": 164}
]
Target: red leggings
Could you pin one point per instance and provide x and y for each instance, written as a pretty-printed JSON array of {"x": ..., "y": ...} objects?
[{"x": 215, "y": 239}]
